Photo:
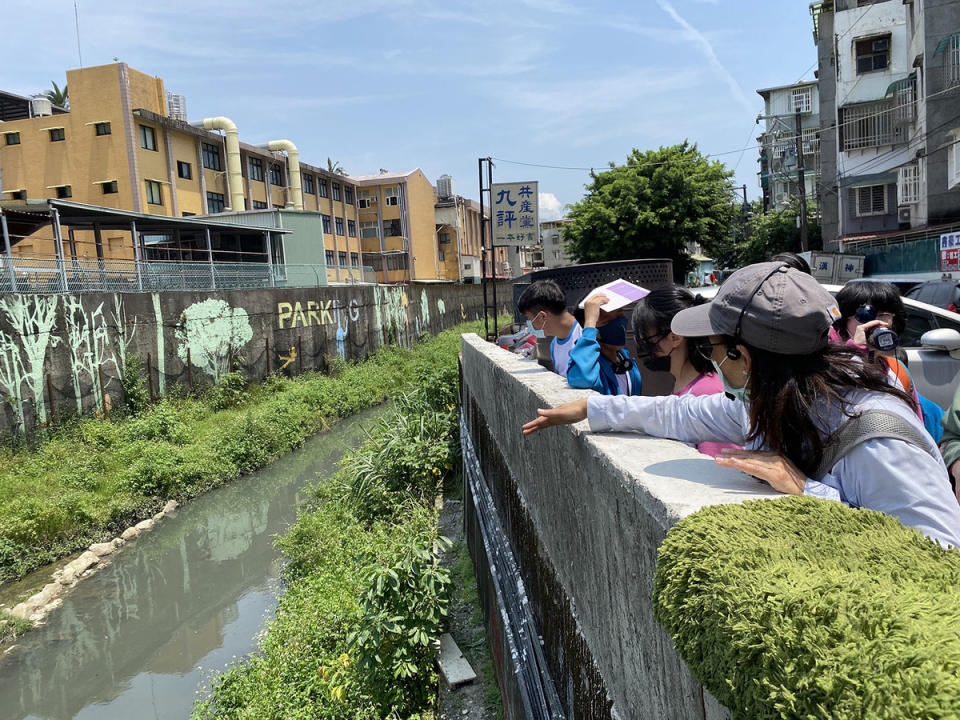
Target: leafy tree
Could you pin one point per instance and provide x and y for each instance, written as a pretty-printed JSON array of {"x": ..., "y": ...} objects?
[
  {"x": 58, "y": 96},
  {"x": 777, "y": 231},
  {"x": 334, "y": 166},
  {"x": 652, "y": 207}
]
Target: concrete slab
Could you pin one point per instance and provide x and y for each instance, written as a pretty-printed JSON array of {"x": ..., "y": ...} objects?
[{"x": 454, "y": 667}]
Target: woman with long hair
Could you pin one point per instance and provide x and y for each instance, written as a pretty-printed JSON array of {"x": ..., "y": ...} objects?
[
  {"x": 766, "y": 336},
  {"x": 662, "y": 350}
]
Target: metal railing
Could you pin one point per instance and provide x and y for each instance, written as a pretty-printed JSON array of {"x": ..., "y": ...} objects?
[{"x": 47, "y": 276}]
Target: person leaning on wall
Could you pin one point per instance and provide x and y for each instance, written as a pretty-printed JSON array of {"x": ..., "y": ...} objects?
[
  {"x": 544, "y": 305},
  {"x": 788, "y": 392},
  {"x": 600, "y": 360}
]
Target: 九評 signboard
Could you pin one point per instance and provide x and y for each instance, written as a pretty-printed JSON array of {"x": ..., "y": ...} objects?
[
  {"x": 950, "y": 252},
  {"x": 515, "y": 215}
]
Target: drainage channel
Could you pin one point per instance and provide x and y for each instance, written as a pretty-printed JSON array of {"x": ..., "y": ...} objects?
[{"x": 138, "y": 638}]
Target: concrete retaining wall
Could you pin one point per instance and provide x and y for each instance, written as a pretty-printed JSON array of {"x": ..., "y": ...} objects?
[
  {"x": 584, "y": 514},
  {"x": 66, "y": 354}
]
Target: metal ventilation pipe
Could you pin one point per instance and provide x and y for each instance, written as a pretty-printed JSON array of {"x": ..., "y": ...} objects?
[
  {"x": 293, "y": 162},
  {"x": 234, "y": 173}
]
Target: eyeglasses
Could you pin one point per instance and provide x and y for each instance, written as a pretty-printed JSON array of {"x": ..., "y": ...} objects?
[
  {"x": 650, "y": 341},
  {"x": 705, "y": 348}
]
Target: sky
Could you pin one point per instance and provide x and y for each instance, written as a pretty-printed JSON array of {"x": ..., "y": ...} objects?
[{"x": 399, "y": 84}]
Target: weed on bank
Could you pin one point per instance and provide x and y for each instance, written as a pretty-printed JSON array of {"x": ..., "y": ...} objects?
[{"x": 93, "y": 477}]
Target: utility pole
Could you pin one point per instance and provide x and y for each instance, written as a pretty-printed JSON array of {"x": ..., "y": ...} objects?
[{"x": 804, "y": 245}]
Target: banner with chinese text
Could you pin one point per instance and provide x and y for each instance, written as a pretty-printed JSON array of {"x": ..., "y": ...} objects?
[
  {"x": 515, "y": 214},
  {"x": 950, "y": 252}
]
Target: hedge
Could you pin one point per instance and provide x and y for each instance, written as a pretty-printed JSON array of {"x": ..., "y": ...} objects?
[{"x": 805, "y": 608}]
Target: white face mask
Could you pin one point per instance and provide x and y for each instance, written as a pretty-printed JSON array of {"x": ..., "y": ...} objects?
[
  {"x": 737, "y": 393},
  {"x": 536, "y": 333}
]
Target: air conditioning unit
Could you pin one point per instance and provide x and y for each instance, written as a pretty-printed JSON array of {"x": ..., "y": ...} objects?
[
  {"x": 903, "y": 216},
  {"x": 363, "y": 203}
]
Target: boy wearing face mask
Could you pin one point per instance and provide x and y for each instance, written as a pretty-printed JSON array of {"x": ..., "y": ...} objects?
[
  {"x": 600, "y": 361},
  {"x": 545, "y": 307}
]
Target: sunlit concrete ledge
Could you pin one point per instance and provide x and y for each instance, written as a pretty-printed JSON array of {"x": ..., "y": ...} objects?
[{"x": 597, "y": 506}]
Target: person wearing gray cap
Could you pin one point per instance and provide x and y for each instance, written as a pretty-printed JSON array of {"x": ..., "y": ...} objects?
[{"x": 813, "y": 417}]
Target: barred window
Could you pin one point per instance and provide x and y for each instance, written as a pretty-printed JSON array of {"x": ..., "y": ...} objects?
[
  {"x": 801, "y": 99},
  {"x": 908, "y": 185},
  {"x": 867, "y": 125}
]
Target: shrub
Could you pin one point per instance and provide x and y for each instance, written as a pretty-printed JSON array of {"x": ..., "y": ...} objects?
[
  {"x": 801, "y": 607},
  {"x": 229, "y": 391},
  {"x": 134, "y": 385}
]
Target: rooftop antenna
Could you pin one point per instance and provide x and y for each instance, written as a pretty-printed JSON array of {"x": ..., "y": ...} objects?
[{"x": 76, "y": 20}]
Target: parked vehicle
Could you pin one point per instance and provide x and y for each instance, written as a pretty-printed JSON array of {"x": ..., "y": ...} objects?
[
  {"x": 942, "y": 293},
  {"x": 931, "y": 341}
]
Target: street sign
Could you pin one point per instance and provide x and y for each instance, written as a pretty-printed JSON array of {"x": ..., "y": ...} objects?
[
  {"x": 515, "y": 214},
  {"x": 950, "y": 252}
]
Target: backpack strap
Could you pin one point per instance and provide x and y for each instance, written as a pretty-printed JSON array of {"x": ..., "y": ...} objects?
[
  {"x": 900, "y": 371},
  {"x": 868, "y": 425}
]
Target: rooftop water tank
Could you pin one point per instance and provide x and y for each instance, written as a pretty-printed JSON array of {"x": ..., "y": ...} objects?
[
  {"x": 41, "y": 106},
  {"x": 446, "y": 187}
]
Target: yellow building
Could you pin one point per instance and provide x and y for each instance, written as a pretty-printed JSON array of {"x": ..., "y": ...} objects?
[{"x": 118, "y": 147}]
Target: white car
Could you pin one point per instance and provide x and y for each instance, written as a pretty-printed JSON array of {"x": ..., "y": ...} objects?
[{"x": 931, "y": 341}]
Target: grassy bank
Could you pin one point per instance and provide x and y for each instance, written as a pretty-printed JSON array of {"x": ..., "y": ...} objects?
[
  {"x": 366, "y": 597},
  {"x": 95, "y": 477}
]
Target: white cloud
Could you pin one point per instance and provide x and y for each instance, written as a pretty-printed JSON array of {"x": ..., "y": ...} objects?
[{"x": 550, "y": 207}]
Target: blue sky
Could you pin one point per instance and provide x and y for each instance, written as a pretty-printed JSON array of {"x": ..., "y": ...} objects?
[{"x": 399, "y": 84}]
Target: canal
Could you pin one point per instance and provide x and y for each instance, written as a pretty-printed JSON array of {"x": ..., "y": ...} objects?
[{"x": 139, "y": 638}]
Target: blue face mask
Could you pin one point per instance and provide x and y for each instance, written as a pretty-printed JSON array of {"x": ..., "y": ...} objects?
[
  {"x": 737, "y": 393},
  {"x": 614, "y": 332},
  {"x": 535, "y": 333}
]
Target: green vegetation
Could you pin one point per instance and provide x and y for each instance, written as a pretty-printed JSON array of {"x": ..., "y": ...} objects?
[
  {"x": 800, "y": 607},
  {"x": 93, "y": 477},
  {"x": 652, "y": 206},
  {"x": 11, "y": 627},
  {"x": 354, "y": 631}
]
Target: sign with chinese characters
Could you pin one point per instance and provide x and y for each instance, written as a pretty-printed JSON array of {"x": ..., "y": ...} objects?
[
  {"x": 950, "y": 252},
  {"x": 515, "y": 215}
]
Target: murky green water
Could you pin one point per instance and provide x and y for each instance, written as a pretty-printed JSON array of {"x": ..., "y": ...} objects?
[{"x": 137, "y": 639}]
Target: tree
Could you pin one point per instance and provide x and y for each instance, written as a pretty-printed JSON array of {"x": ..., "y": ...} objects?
[
  {"x": 777, "y": 231},
  {"x": 58, "y": 97},
  {"x": 335, "y": 167},
  {"x": 652, "y": 207}
]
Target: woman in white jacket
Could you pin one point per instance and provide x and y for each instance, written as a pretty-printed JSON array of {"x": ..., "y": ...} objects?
[{"x": 813, "y": 417}]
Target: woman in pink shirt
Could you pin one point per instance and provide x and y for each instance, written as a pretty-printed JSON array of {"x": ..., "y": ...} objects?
[{"x": 662, "y": 350}]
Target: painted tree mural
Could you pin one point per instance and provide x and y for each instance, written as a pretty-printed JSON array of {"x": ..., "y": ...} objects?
[
  {"x": 32, "y": 319},
  {"x": 88, "y": 339},
  {"x": 125, "y": 333},
  {"x": 208, "y": 330}
]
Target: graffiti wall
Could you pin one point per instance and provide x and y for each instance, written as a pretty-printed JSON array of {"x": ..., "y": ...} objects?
[{"x": 67, "y": 354}]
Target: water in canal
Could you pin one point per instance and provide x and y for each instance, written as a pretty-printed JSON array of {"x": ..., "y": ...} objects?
[{"x": 137, "y": 639}]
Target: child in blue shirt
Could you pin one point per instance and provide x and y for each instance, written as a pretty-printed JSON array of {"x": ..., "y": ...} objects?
[
  {"x": 600, "y": 360},
  {"x": 545, "y": 307}
]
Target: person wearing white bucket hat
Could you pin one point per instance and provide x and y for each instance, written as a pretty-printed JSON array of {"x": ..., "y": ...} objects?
[{"x": 812, "y": 416}]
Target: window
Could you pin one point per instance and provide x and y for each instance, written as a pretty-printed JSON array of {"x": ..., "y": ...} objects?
[
  {"x": 390, "y": 196},
  {"x": 57, "y": 134},
  {"x": 259, "y": 205},
  {"x": 256, "y": 169},
  {"x": 801, "y": 99},
  {"x": 342, "y": 257},
  {"x": 339, "y": 224},
  {"x": 18, "y": 195},
  {"x": 154, "y": 192},
  {"x": 326, "y": 223},
  {"x": 869, "y": 200},
  {"x": 368, "y": 229},
  {"x": 329, "y": 256},
  {"x": 391, "y": 228},
  {"x": 276, "y": 176},
  {"x": 102, "y": 128},
  {"x": 363, "y": 199},
  {"x": 336, "y": 191},
  {"x": 187, "y": 214},
  {"x": 908, "y": 185},
  {"x": 211, "y": 156},
  {"x": 355, "y": 259},
  {"x": 148, "y": 138},
  {"x": 215, "y": 202},
  {"x": 441, "y": 256},
  {"x": 308, "y": 184},
  {"x": 184, "y": 170},
  {"x": 953, "y": 161},
  {"x": 13, "y": 138},
  {"x": 872, "y": 54},
  {"x": 867, "y": 125},
  {"x": 64, "y": 191},
  {"x": 348, "y": 195},
  {"x": 444, "y": 238},
  {"x": 351, "y": 228},
  {"x": 323, "y": 187},
  {"x": 950, "y": 47},
  {"x": 109, "y": 188}
]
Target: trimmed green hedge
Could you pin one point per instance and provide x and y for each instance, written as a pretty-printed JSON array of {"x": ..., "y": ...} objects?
[{"x": 805, "y": 608}]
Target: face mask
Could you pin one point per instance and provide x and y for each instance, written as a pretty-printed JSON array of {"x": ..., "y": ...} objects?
[
  {"x": 737, "y": 393},
  {"x": 535, "y": 333},
  {"x": 614, "y": 332},
  {"x": 657, "y": 364}
]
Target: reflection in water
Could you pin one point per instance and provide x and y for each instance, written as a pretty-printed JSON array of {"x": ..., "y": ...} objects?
[{"x": 131, "y": 640}]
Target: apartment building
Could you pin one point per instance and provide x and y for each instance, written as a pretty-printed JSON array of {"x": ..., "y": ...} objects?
[
  {"x": 552, "y": 245},
  {"x": 889, "y": 81},
  {"x": 119, "y": 147},
  {"x": 790, "y": 112}
]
